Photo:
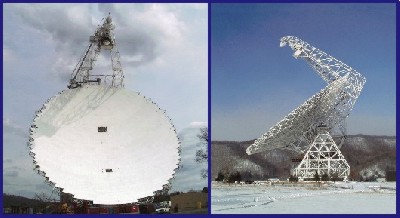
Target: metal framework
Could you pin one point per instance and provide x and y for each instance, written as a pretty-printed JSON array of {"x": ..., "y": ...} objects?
[
  {"x": 103, "y": 38},
  {"x": 328, "y": 108},
  {"x": 323, "y": 158}
]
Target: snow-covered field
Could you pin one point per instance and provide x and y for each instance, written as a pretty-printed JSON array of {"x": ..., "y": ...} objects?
[{"x": 333, "y": 198}]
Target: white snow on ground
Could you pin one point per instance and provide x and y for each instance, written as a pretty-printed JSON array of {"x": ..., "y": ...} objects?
[
  {"x": 188, "y": 177},
  {"x": 140, "y": 145},
  {"x": 338, "y": 198}
]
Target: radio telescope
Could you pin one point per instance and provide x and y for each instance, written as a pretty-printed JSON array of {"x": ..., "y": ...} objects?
[
  {"x": 99, "y": 141},
  {"x": 307, "y": 129}
]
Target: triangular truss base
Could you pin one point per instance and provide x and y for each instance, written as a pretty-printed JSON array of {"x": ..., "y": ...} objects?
[{"x": 323, "y": 157}]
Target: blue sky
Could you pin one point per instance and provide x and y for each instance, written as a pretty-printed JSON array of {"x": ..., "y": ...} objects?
[{"x": 255, "y": 83}]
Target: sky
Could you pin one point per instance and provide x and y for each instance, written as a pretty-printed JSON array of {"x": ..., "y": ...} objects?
[
  {"x": 164, "y": 56},
  {"x": 255, "y": 83},
  {"x": 189, "y": 176}
]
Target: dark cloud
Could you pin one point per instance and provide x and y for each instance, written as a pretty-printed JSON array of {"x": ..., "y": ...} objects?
[
  {"x": 137, "y": 41},
  {"x": 62, "y": 29},
  {"x": 66, "y": 30},
  {"x": 137, "y": 44}
]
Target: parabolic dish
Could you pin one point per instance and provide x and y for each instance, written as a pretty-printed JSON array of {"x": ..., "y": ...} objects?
[
  {"x": 327, "y": 108},
  {"x": 104, "y": 144},
  {"x": 302, "y": 122}
]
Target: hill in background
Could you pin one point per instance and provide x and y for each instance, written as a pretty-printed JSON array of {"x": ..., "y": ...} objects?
[
  {"x": 369, "y": 157},
  {"x": 12, "y": 200}
]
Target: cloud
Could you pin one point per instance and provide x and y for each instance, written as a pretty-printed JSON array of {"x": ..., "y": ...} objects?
[
  {"x": 8, "y": 161},
  {"x": 58, "y": 33},
  {"x": 144, "y": 32},
  {"x": 12, "y": 128},
  {"x": 66, "y": 24},
  {"x": 10, "y": 173},
  {"x": 163, "y": 47},
  {"x": 198, "y": 124}
]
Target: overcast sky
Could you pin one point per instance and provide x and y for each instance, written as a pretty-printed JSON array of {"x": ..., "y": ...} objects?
[
  {"x": 164, "y": 56},
  {"x": 189, "y": 176},
  {"x": 255, "y": 83}
]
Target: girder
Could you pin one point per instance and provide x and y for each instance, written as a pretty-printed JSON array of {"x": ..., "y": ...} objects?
[
  {"x": 323, "y": 158},
  {"x": 103, "y": 39},
  {"x": 329, "y": 107}
]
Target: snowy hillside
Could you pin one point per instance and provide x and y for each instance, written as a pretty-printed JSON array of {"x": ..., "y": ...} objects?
[
  {"x": 189, "y": 175},
  {"x": 369, "y": 157}
]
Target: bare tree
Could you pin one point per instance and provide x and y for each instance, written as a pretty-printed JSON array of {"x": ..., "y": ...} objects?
[
  {"x": 43, "y": 197},
  {"x": 204, "y": 173},
  {"x": 202, "y": 154},
  {"x": 203, "y": 134},
  {"x": 46, "y": 201}
]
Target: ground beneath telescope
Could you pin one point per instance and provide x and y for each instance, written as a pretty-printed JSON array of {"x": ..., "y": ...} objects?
[{"x": 338, "y": 198}]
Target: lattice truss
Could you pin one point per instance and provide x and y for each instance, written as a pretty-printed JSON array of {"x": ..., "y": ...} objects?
[
  {"x": 329, "y": 107},
  {"x": 103, "y": 38},
  {"x": 323, "y": 158}
]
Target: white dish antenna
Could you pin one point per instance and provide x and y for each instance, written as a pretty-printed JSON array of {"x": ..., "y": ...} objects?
[
  {"x": 101, "y": 142},
  {"x": 328, "y": 108},
  {"x": 308, "y": 127},
  {"x": 104, "y": 144}
]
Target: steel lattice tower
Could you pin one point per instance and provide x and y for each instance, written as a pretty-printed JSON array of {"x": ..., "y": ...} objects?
[
  {"x": 103, "y": 38},
  {"x": 300, "y": 130}
]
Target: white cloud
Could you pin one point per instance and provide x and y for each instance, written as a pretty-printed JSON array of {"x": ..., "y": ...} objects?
[
  {"x": 198, "y": 124},
  {"x": 163, "y": 21},
  {"x": 10, "y": 127}
]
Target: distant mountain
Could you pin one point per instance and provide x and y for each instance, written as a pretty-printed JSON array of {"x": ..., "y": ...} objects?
[
  {"x": 13, "y": 200},
  {"x": 368, "y": 156}
]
